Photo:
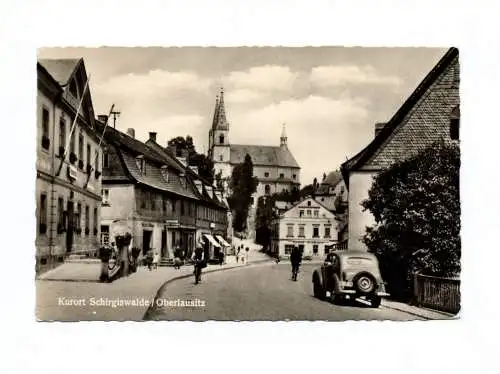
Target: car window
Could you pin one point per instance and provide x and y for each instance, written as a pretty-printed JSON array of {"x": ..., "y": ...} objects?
[{"x": 359, "y": 261}]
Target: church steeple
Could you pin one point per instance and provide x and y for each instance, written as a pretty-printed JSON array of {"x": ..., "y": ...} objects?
[
  {"x": 283, "y": 138},
  {"x": 220, "y": 121}
]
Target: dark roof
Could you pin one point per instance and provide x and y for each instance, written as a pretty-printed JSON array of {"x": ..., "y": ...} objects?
[
  {"x": 129, "y": 148},
  {"x": 164, "y": 152},
  {"x": 263, "y": 155},
  {"x": 426, "y": 132},
  {"x": 60, "y": 69},
  {"x": 332, "y": 179}
]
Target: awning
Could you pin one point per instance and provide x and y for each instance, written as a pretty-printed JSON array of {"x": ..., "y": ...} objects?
[
  {"x": 222, "y": 241},
  {"x": 212, "y": 240}
]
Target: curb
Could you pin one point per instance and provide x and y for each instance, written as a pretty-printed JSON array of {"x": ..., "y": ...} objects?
[
  {"x": 171, "y": 280},
  {"x": 444, "y": 314}
]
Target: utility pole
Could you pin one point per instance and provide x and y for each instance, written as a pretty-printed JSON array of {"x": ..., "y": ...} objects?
[{"x": 115, "y": 115}]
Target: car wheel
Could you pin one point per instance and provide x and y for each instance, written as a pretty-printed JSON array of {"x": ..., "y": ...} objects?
[
  {"x": 375, "y": 301},
  {"x": 319, "y": 292},
  {"x": 364, "y": 283}
]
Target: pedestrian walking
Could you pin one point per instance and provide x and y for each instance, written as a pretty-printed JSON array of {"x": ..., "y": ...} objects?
[{"x": 156, "y": 260}]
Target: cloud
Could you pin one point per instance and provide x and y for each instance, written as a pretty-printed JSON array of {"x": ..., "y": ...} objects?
[
  {"x": 267, "y": 78},
  {"x": 154, "y": 83},
  {"x": 343, "y": 75},
  {"x": 245, "y": 96},
  {"x": 319, "y": 130}
]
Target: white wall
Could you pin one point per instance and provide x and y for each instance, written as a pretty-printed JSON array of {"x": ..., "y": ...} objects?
[{"x": 359, "y": 185}]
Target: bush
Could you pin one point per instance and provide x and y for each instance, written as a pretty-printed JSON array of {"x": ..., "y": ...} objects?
[{"x": 416, "y": 206}]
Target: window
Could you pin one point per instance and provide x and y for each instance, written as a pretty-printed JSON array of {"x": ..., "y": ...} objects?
[
  {"x": 80, "y": 147},
  {"x": 42, "y": 219},
  {"x": 288, "y": 249},
  {"x": 282, "y": 175},
  {"x": 315, "y": 232},
  {"x": 309, "y": 212},
  {"x": 95, "y": 221},
  {"x": 302, "y": 231},
  {"x": 267, "y": 189},
  {"x": 105, "y": 159},
  {"x": 221, "y": 158},
  {"x": 60, "y": 213},
  {"x": 266, "y": 174},
  {"x": 78, "y": 223},
  {"x": 301, "y": 213},
  {"x": 315, "y": 249},
  {"x": 294, "y": 176},
  {"x": 45, "y": 129},
  {"x": 72, "y": 141},
  {"x": 289, "y": 232},
  {"x": 87, "y": 220},
  {"x": 327, "y": 232},
  {"x": 308, "y": 203},
  {"x": 62, "y": 133},
  {"x": 327, "y": 250},
  {"x": 105, "y": 196},
  {"x": 221, "y": 139},
  {"x": 316, "y": 213},
  {"x": 89, "y": 154}
]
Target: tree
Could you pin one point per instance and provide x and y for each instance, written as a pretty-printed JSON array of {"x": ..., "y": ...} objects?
[
  {"x": 243, "y": 184},
  {"x": 416, "y": 206},
  {"x": 203, "y": 163}
]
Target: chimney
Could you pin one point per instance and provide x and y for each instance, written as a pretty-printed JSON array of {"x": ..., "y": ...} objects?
[
  {"x": 131, "y": 133},
  {"x": 152, "y": 136},
  {"x": 102, "y": 117},
  {"x": 379, "y": 126}
]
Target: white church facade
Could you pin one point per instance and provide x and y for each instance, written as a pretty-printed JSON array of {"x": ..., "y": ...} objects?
[{"x": 274, "y": 166}]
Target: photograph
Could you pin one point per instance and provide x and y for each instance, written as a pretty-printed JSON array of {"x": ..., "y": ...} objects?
[{"x": 247, "y": 184}]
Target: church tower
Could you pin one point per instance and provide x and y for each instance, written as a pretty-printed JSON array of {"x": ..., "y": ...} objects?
[{"x": 218, "y": 142}]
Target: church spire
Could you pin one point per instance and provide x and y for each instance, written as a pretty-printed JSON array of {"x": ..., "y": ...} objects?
[
  {"x": 283, "y": 138},
  {"x": 216, "y": 112},
  {"x": 220, "y": 121}
]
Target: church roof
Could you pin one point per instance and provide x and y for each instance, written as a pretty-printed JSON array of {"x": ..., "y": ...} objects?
[
  {"x": 263, "y": 155},
  {"x": 220, "y": 120}
]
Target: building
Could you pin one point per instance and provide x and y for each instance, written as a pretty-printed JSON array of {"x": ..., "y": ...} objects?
[
  {"x": 68, "y": 183},
  {"x": 308, "y": 225},
  {"x": 274, "y": 166},
  {"x": 332, "y": 192},
  {"x": 211, "y": 228},
  {"x": 431, "y": 113},
  {"x": 156, "y": 195}
]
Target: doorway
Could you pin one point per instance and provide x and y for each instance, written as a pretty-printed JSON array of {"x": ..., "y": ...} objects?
[
  {"x": 146, "y": 241},
  {"x": 69, "y": 226},
  {"x": 164, "y": 251}
]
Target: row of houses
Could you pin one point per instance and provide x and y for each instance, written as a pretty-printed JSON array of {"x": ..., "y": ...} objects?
[
  {"x": 91, "y": 176},
  {"x": 431, "y": 113}
]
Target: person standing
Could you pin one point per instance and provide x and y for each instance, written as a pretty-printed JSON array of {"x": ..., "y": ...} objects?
[
  {"x": 295, "y": 259},
  {"x": 199, "y": 262},
  {"x": 156, "y": 260}
]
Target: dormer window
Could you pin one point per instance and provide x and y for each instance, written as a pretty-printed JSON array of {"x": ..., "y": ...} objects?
[
  {"x": 141, "y": 164},
  {"x": 455, "y": 123}
]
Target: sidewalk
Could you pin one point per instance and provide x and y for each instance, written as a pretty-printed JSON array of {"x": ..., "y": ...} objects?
[
  {"x": 72, "y": 292},
  {"x": 417, "y": 311}
]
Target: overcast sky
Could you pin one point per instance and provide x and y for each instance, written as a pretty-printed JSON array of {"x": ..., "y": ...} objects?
[{"x": 329, "y": 98}]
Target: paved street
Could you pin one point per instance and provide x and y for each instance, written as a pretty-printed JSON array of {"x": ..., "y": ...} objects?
[{"x": 258, "y": 293}]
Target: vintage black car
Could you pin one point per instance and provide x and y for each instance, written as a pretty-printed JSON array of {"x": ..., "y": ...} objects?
[{"x": 349, "y": 274}]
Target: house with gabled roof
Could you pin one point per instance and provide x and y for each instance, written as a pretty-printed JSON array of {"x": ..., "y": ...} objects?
[
  {"x": 309, "y": 225},
  {"x": 68, "y": 184},
  {"x": 275, "y": 167},
  {"x": 430, "y": 114},
  {"x": 154, "y": 194}
]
